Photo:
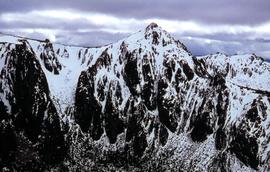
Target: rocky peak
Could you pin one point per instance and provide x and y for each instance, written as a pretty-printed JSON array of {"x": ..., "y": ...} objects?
[
  {"x": 157, "y": 35},
  {"x": 151, "y": 26}
]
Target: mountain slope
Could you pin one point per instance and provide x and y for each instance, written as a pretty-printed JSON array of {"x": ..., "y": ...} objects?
[{"x": 144, "y": 102}]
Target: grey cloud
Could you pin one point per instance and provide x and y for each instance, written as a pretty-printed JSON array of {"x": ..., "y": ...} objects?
[
  {"x": 94, "y": 38},
  {"x": 198, "y": 46},
  {"x": 49, "y": 23},
  {"x": 262, "y": 40},
  {"x": 207, "y": 11},
  {"x": 250, "y": 37}
]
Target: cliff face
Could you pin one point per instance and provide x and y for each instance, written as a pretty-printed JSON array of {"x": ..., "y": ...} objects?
[{"x": 144, "y": 102}]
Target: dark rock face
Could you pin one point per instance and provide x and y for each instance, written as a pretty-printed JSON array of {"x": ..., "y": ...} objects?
[
  {"x": 245, "y": 148},
  {"x": 33, "y": 112},
  {"x": 148, "y": 92},
  {"x": 131, "y": 73},
  {"x": 164, "y": 107},
  {"x": 221, "y": 107},
  {"x": 89, "y": 113},
  {"x": 163, "y": 135},
  {"x": 187, "y": 70},
  {"x": 245, "y": 144},
  {"x": 8, "y": 143},
  {"x": 200, "y": 68},
  {"x": 113, "y": 125},
  {"x": 135, "y": 132},
  {"x": 252, "y": 113},
  {"x": 221, "y": 139},
  {"x": 88, "y": 110},
  {"x": 201, "y": 127}
]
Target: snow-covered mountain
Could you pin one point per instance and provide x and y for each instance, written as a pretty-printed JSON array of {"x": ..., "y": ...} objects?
[{"x": 144, "y": 103}]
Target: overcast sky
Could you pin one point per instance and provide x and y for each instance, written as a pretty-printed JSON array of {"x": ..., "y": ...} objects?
[{"x": 204, "y": 26}]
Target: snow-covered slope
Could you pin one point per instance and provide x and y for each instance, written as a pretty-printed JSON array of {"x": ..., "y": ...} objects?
[{"x": 145, "y": 102}]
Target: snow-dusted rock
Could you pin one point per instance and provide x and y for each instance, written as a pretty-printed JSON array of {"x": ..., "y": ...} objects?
[{"x": 144, "y": 102}]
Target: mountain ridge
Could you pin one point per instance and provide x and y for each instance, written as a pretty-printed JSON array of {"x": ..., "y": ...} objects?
[{"x": 139, "y": 99}]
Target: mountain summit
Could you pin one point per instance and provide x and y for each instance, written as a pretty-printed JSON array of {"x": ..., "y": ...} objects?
[{"x": 144, "y": 103}]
